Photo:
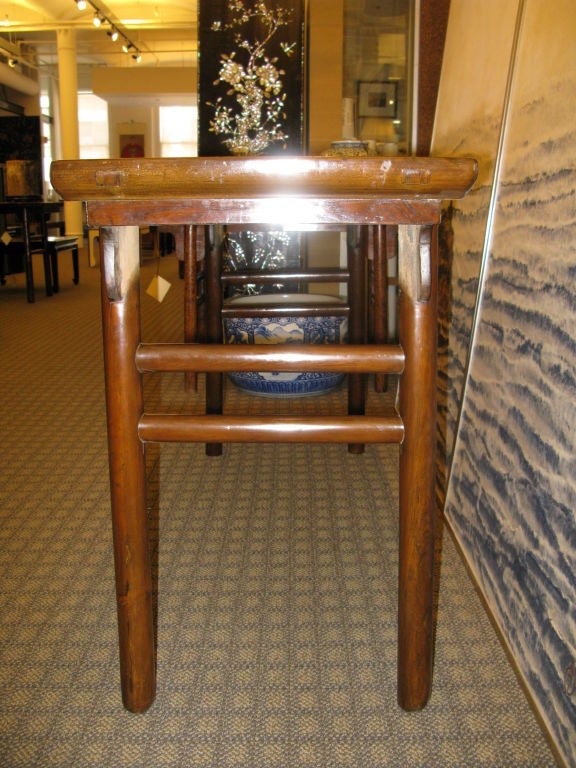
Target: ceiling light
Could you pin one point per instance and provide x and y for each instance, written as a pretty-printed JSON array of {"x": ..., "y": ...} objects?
[
  {"x": 12, "y": 63},
  {"x": 100, "y": 18}
]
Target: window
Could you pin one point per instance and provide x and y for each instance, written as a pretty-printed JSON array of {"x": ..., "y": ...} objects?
[
  {"x": 178, "y": 131},
  {"x": 93, "y": 126},
  {"x": 45, "y": 108}
]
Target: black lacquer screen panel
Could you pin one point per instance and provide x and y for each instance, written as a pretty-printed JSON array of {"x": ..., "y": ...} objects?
[{"x": 213, "y": 43}]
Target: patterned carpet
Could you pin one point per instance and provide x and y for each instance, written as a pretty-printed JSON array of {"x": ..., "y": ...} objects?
[{"x": 276, "y": 579}]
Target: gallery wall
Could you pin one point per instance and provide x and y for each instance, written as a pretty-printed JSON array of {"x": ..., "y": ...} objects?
[{"x": 507, "y": 97}]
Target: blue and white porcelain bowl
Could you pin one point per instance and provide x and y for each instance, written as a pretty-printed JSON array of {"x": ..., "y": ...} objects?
[{"x": 286, "y": 330}]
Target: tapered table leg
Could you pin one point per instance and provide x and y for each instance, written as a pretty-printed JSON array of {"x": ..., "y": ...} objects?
[
  {"x": 28, "y": 259},
  {"x": 357, "y": 244},
  {"x": 124, "y": 401},
  {"x": 417, "y": 403},
  {"x": 380, "y": 288},
  {"x": 214, "y": 381},
  {"x": 190, "y": 296}
]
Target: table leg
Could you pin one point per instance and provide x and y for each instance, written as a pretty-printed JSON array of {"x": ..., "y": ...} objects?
[
  {"x": 75, "y": 266},
  {"x": 52, "y": 285},
  {"x": 124, "y": 401},
  {"x": 417, "y": 403},
  {"x": 380, "y": 288},
  {"x": 190, "y": 295},
  {"x": 52, "y": 270},
  {"x": 214, "y": 335},
  {"x": 357, "y": 244},
  {"x": 28, "y": 259}
]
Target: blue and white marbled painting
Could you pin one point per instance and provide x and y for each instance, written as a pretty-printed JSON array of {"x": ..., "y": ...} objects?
[
  {"x": 471, "y": 103},
  {"x": 512, "y": 492}
]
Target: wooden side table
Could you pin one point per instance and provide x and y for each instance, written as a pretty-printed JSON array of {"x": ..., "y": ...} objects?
[{"x": 122, "y": 195}]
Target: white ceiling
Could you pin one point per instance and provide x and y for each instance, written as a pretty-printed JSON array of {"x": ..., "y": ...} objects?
[{"x": 164, "y": 31}]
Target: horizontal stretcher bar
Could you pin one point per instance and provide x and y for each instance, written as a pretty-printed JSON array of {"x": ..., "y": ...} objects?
[
  {"x": 285, "y": 310},
  {"x": 329, "y": 274},
  {"x": 220, "y": 358},
  {"x": 237, "y": 429}
]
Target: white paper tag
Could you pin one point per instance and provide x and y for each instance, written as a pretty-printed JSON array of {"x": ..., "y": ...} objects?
[{"x": 158, "y": 288}]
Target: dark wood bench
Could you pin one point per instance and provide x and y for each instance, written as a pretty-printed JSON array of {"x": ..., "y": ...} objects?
[
  {"x": 56, "y": 244},
  {"x": 27, "y": 236},
  {"x": 13, "y": 261},
  {"x": 12, "y": 258}
]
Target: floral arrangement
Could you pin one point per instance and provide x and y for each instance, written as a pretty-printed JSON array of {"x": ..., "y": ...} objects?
[{"x": 254, "y": 79}]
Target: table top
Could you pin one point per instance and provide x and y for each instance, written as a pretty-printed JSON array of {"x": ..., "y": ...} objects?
[
  {"x": 17, "y": 206},
  {"x": 285, "y": 190},
  {"x": 221, "y": 177}
]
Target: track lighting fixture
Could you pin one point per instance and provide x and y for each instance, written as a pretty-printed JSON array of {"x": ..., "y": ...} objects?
[{"x": 99, "y": 19}]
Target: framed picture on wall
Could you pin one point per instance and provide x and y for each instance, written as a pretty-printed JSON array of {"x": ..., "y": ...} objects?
[
  {"x": 132, "y": 139},
  {"x": 131, "y": 144},
  {"x": 376, "y": 99}
]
